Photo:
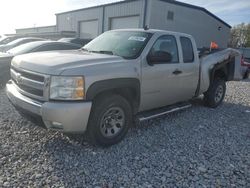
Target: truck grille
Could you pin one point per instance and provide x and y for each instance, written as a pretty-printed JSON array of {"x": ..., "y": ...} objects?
[{"x": 29, "y": 83}]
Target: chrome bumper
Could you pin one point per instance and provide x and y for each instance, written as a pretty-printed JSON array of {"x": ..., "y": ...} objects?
[{"x": 68, "y": 117}]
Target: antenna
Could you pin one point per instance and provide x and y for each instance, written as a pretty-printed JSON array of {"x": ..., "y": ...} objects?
[{"x": 146, "y": 27}]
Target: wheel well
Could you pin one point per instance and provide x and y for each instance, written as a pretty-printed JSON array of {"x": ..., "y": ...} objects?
[
  {"x": 224, "y": 70},
  {"x": 220, "y": 74},
  {"x": 129, "y": 88},
  {"x": 219, "y": 71},
  {"x": 129, "y": 94}
]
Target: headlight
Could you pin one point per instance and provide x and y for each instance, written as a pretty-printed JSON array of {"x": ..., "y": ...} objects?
[{"x": 67, "y": 88}]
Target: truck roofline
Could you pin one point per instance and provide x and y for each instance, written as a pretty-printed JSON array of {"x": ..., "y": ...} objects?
[{"x": 153, "y": 31}]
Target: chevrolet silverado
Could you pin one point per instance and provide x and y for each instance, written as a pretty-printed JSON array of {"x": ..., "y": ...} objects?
[{"x": 120, "y": 75}]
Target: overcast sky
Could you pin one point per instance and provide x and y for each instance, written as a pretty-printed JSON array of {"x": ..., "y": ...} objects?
[{"x": 29, "y": 13}]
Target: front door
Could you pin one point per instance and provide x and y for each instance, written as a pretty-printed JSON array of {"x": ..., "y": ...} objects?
[{"x": 161, "y": 81}]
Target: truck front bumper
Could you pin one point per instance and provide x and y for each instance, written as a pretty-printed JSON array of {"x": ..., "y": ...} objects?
[{"x": 68, "y": 117}]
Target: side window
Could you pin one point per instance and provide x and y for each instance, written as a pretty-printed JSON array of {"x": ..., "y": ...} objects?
[
  {"x": 187, "y": 50},
  {"x": 168, "y": 44}
]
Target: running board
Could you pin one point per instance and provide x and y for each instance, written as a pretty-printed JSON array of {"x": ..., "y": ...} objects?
[{"x": 143, "y": 116}]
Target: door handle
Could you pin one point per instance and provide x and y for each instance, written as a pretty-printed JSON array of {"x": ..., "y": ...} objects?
[{"x": 176, "y": 72}]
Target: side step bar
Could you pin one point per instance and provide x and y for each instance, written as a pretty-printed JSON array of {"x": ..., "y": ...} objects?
[{"x": 143, "y": 116}]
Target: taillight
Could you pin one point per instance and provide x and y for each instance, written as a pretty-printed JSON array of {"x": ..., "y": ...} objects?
[{"x": 242, "y": 61}]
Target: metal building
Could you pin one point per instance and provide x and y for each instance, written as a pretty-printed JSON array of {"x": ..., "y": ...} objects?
[
  {"x": 43, "y": 29},
  {"x": 156, "y": 14},
  {"x": 49, "y": 32}
]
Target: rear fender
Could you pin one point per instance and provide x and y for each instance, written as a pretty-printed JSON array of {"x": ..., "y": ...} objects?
[{"x": 221, "y": 63}]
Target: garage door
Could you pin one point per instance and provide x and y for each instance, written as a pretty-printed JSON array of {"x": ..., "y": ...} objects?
[
  {"x": 124, "y": 22},
  {"x": 89, "y": 29}
]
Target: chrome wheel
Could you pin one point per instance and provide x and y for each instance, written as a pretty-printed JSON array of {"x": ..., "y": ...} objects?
[
  {"x": 219, "y": 93},
  {"x": 112, "y": 122}
]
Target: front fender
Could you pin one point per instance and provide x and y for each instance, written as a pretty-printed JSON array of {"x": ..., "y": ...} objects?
[{"x": 114, "y": 84}]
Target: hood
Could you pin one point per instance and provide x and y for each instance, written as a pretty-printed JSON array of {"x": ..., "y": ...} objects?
[
  {"x": 3, "y": 48},
  {"x": 5, "y": 59},
  {"x": 5, "y": 55},
  {"x": 54, "y": 63}
]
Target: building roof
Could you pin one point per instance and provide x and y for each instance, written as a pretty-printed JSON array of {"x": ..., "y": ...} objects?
[
  {"x": 167, "y": 1},
  {"x": 97, "y": 6},
  {"x": 38, "y": 27},
  {"x": 197, "y": 8}
]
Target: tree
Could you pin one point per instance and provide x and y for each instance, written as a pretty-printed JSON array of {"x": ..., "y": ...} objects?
[
  {"x": 240, "y": 36},
  {"x": 248, "y": 36}
]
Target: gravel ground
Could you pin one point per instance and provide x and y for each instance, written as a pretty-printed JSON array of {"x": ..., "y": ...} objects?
[{"x": 198, "y": 147}]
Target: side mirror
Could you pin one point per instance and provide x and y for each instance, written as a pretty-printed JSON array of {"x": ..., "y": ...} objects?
[{"x": 159, "y": 57}]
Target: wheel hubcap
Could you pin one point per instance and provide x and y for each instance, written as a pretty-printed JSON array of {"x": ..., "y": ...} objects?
[
  {"x": 112, "y": 122},
  {"x": 219, "y": 93}
]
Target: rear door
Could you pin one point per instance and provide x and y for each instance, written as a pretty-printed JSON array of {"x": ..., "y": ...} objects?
[{"x": 189, "y": 77}]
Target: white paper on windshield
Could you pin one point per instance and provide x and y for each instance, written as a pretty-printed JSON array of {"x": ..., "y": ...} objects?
[{"x": 141, "y": 39}]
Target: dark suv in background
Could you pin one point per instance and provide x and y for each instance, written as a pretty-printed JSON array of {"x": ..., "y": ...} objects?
[{"x": 79, "y": 41}]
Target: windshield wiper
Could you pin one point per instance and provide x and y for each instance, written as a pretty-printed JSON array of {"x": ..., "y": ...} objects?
[
  {"x": 85, "y": 49},
  {"x": 99, "y": 52},
  {"x": 103, "y": 52}
]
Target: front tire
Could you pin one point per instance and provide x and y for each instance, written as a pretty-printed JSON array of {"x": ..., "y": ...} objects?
[
  {"x": 215, "y": 94},
  {"x": 109, "y": 121}
]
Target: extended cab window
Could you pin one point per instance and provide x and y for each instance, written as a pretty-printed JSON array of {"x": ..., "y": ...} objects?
[
  {"x": 187, "y": 50},
  {"x": 168, "y": 44}
]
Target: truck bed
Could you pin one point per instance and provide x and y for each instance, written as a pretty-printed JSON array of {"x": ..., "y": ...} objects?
[{"x": 217, "y": 58}]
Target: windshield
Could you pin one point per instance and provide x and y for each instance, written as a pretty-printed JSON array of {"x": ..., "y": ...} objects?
[
  {"x": 16, "y": 41},
  {"x": 127, "y": 44},
  {"x": 25, "y": 48}
]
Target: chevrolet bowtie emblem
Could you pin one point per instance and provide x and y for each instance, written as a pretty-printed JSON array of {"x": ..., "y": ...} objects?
[{"x": 19, "y": 78}]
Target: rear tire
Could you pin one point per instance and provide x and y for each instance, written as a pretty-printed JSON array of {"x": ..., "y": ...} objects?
[
  {"x": 246, "y": 75},
  {"x": 215, "y": 94},
  {"x": 110, "y": 119}
]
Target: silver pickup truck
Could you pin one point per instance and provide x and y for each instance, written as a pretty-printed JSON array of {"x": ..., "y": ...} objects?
[{"x": 121, "y": 74}]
